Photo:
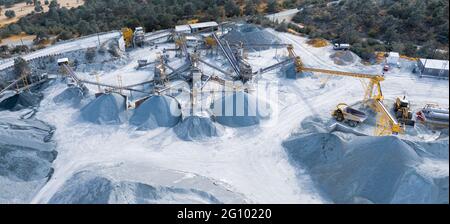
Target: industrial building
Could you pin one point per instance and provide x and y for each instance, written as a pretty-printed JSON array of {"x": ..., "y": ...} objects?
[
  {"x": 393, "y": 58},
  {"x": 183, "y": 29},
  {"x": 197, "y": 27},
  {"x": 433, "y": 68}
]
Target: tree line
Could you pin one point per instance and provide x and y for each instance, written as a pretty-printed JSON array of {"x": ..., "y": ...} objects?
[
  {"x": 104, "y": 15},
  {"x": 412, "y": 27},
  {"x": 37, "y": 6}
]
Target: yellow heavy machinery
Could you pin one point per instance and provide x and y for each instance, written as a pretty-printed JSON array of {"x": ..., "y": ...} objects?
[
  {"x": 127, "y": 36},
  {"x": 210, "y": 41},
  {"x": 24, "y": 81},
  {"x": 403, "y": 111},
  {"x": 180, "y": 43},
  {"x": 386, "y": 123},
  {"x": 192, "y": 21}
]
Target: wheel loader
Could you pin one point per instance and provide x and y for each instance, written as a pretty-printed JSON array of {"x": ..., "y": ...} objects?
[{"x": 403, "y": 111}]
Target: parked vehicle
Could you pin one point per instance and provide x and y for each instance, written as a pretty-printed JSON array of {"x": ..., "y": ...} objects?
[
  {"x": 139, "y": 36},
  {"x": 403, "y": 111},
  {"x": 340, "y": 47},
  {"x": 433, "y": 116}
]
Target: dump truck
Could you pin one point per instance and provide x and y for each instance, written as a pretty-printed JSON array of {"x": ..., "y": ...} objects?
[
  {"x": 345, "y": 113},
  {"x": 403, "y": 111},
  {"x": 433, "y": 116}
]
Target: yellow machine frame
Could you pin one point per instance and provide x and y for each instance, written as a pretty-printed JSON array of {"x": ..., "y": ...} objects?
[
  {"x": 127, "y": 36},
  {"x": 192, "y": 21},
  {"x": 386, "y": 123}
]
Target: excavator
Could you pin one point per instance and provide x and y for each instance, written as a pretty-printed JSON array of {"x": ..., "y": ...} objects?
[{"x": 387, "y": 124}]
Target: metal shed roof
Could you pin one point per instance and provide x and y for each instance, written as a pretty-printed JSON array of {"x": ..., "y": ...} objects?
[
  {"x": 61, "y": 60},
  {"x": 394, "y": 54},
  {"x": 191, "y": 38},
  {"x": 203, "y": 25},
  {"x": 434, "y": 64},
  {"x": 182, "y": 28}
]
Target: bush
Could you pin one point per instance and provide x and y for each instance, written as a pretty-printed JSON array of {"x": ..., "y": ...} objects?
[
  {"x": 65, "y": 35},
  {"x": 282, "y": 27},
  {"x": 365, "y": 52},
  {"x": 90, "y": 54},
  {"x": 10, "y": 14},
  {"x": 21, "y": 67},
  {"x": 398, "y": 25},
  {"x": 410, "y": 50}
]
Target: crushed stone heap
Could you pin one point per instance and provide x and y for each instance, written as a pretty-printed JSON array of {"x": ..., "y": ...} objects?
[
  {"x": 157, "y": 111},
  {"x": 27, "y": 152},
  {"x": 197, "y": 128},
  {"x": 366, "y": 169},
  {"x": 240, "y": 109},
  {"x": 15, "y": 102},
  {"x": 71, "y": 95},
  {"x": 109, "y": 108},
  {"x": 249, "y": 34}
]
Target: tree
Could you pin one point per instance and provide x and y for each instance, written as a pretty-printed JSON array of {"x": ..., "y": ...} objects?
[
  {"x": 54, "y": 4},
  {"x": 410, "y": 49},
  {"x": 10, "y": 14},
  {"x": 348, "y": 35},
  {"x": 90, "y": 54},
  {"x": 84, "y": 27},
  {"x": 40, "y": 37},
  {"x": 272, "y": 6},
  {"x": 391, "y": 34},
  {"x": 214, "y": 12},
  {"x": 21, "y": 67},
  {"x": 231, "y": 9},
  {"x": 282, "y": 27},
  {"x": 65, "y": 35},
  {"x": 188, "y": 9},
  {"x": 38, "y": 7},
  {"x": 250, "y": 8},
  {"x": 8, "y": 3}
]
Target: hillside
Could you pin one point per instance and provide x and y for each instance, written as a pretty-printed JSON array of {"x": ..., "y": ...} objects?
[
  {"x": 105, "y": 15},
  {"x": 22, "y": 9},
  {"x": 413, "y": 27},
  {"x": 60, "y": 21}
]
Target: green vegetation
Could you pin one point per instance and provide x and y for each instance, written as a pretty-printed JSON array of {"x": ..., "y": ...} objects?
[
  {"x": 412, "y": 27},
  {"x": 21, "y": 67},
  {"x": 105, "y": 15},
  {"x": 10, "y": 13},
  {"x": 38, "y": 6},
  {"x": 10, "y": 3}
]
